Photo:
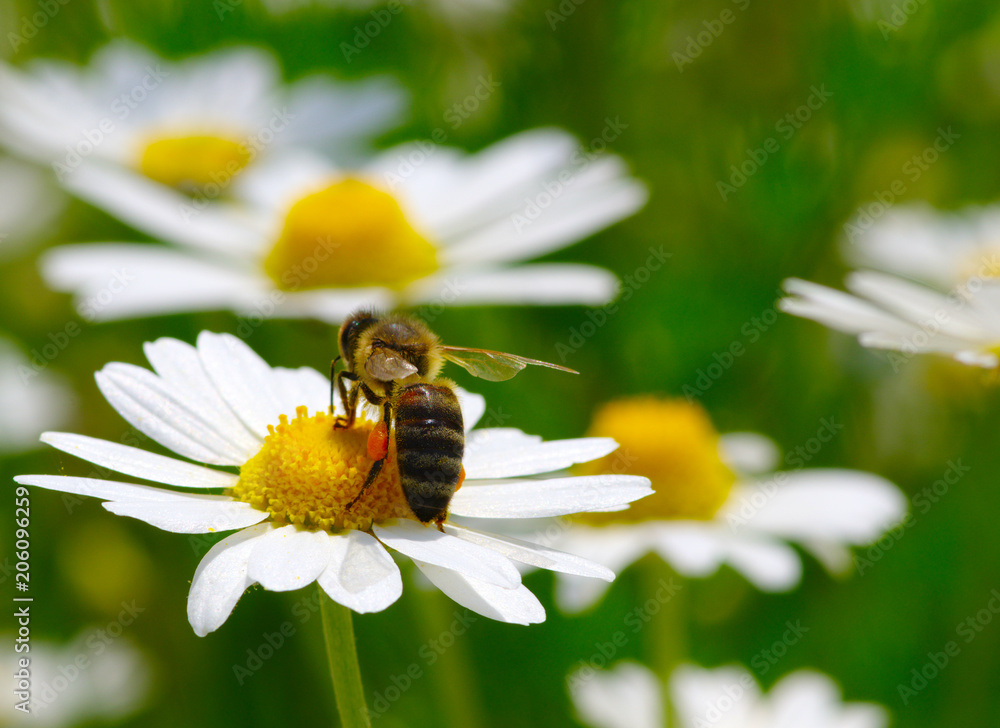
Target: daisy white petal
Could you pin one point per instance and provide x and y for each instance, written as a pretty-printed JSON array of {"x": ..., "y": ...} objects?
[
  {"x": 114, "y": 490},
  {"x": 536, "y": 284},
  {"x": 514, "y": 605},
  {"x": 161, "y": 211},
  {"x": 542, "y": 458},
  {"x": 164, "y": 413},
  {"x": 806, "y": 697},
  {"x": 704, "y": 513},
  {"x": 628, "y": 696},
  {"x": 770, "y": 565},
  {"x": 243, "y": 379},
  {"x": 120, "y": 280},
  {"x": 178, "y": 363},
  {"x": 440, "y": 549},
  {"x": 191, "y": 516},
  {"x": 361, "y": 574},
  {"x": 695, "y": 692},
  {"x": 840, "y": 505},
  {"x": 139, "y": 463},
  {"x": 532, "y": 553},
  {"x": 837, "y": 309},
  {"x": 473, "y": 408},
  {"x": 304, "y": 387},
  {"x": 221, "y": 578},
  {"x": 549, "y": 497},
  {"x": 288, "y": 558},
  {"x": 749, "y": 452}
]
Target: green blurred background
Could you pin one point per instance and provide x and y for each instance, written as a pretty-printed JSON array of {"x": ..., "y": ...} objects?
[{"x": 893, "y": 85}]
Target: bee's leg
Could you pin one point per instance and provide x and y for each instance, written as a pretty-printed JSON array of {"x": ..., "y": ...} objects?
[
  {"x": 333, "y": 367},
  {"x": 377, "y": 465},
  {"x": 350, "y": 399}
]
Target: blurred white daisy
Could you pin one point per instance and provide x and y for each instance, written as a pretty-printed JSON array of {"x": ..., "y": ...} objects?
[
  {"x": 87, "y": 680},
  {"x": 888, "y": 312},
  {"x": 420, "y": 224},
  {"x": 221, "y": 404},
  {"x": 631, "y": 696},
  {"x": 916, "y": 241},
  {"x": 178, "y": 128},
  {"x": 717, "y": 500},
  {"x": 32, "y": 399},
  {"x": 30, "y": 202}
]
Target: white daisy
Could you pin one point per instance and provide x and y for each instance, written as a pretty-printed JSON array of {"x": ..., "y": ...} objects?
[
  {"x": 630, "y": 696},
  {"x": 420, "y": 224},
  {"x": 87, "y": 680},
  {"x": 717, "y": 501},
  {"x": 173, "y": 128},
  {"x": 32, "y": 399},
  {"x": 30, "y": 202},
  {"x": 916, "y": 241},
  {"x": 888, "y": 312},
  {"x": 221, "y": 404}
]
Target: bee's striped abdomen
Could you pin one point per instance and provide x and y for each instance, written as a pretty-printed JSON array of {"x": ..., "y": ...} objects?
[{"x": 430, "y": 442}]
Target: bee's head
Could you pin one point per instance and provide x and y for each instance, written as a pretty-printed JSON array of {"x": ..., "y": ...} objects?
[{"x": 351, "y": 330}]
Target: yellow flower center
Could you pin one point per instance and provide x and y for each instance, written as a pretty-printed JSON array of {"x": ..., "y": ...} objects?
[
  {"x": 672, "y": 443},
  {"x": 193, "y": 163},
  {"x": 307, "y": 472},
  {"x": 348, "y": 234}
]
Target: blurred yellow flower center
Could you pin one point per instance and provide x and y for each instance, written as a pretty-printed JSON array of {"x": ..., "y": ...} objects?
[
  {"x": 193, "y": 163},
  {"x": 349, "y": 234},
  {"x": 672, "y": 443},
  {"x": 307, "y": 472}
]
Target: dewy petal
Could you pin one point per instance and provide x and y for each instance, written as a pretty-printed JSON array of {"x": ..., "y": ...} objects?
[
  {"x": 543, "y": 457},
  {"x": 628, "y": 696},
  {"x": 826, "y": 504},
  {"x": 164, "y": 412},
  {"x": 304, "y": 387},
  {"x": 190, "y": 517},
  {"x": 473, "y": 408},
  {"x": 139, "y": 463},
  {"x": 531, "y": 553},
  {"x": 288, "y": 558},
  {"x": 220, "y": 579},
  {"x": 547, "y": 497},
  {"x": 515, "y": 606},
  {"x": 178, "y": 363},
  {"x": 361, "y": 574},
  {"x": 243, "y": 379},
  {"x": 431, "y": 546},
  {"x": 112, "y": 489}
]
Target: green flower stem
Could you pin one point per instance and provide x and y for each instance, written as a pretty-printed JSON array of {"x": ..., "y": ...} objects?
[
  {"x": 343, "y": 657},
  {"x": 665, "y": 591}
]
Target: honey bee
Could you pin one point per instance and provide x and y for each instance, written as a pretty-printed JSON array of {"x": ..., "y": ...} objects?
[{"x": 393, "y": 361}]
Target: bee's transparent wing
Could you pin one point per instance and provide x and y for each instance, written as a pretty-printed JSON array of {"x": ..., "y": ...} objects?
[
  {"x": 493, "y": 366},
  {"x": 386, "y": 366}
]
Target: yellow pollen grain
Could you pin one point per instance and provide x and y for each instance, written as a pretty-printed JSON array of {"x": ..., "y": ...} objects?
[
  {"x": 193, "y": 163},
  {"x": 349, "y": 234},
  {"x": 671, "y": 442},
  {"x": 307, "y": 472}
]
